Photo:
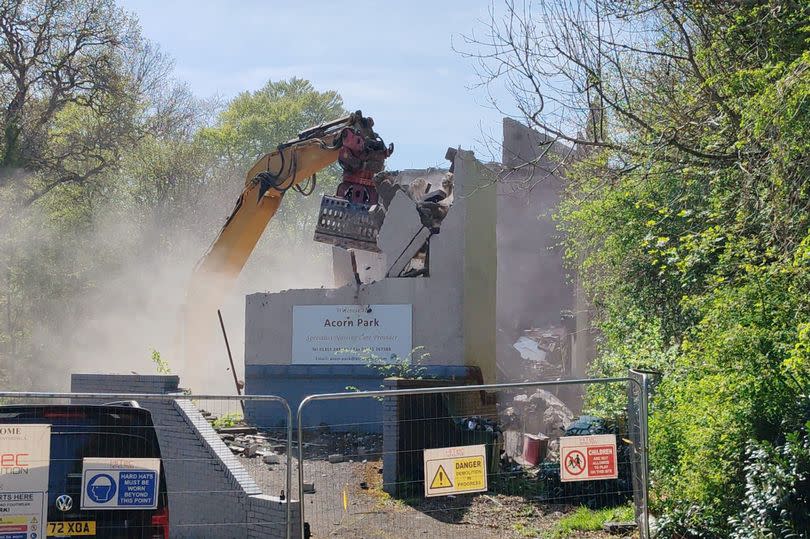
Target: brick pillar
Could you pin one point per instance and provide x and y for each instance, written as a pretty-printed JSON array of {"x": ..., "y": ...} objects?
[{"x": 390, "y": 438}]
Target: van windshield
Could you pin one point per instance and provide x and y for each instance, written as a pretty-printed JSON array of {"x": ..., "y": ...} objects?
[
  {"x": 79, "y": 431},
  {"x": 69, "y": 448}
]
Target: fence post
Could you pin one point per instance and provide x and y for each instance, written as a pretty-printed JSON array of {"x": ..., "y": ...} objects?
[{"x": 644, "y": 411}]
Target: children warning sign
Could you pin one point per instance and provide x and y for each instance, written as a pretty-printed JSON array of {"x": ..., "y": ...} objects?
[
  {"x": 586, "y": 458},
  {"x": 455, "y": 470}
]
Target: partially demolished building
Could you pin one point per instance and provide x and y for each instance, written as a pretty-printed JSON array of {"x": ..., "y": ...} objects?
[
  {"x": 425, "y": 296},
  {"x": 543, "y": 324},
  {"x": 469, "y": 287}
]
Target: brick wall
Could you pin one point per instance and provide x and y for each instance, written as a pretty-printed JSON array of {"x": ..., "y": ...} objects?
[
  {"x": 210, "y": 492},
  {"x": 417, "y": 422}
]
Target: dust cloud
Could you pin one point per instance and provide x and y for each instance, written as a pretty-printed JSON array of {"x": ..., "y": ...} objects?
[{"x": 109, "y": 318}]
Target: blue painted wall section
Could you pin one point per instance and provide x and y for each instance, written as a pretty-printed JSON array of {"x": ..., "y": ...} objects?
[{"x": 294, "y": 382}]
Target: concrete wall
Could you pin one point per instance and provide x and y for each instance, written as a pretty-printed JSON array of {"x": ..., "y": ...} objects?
[
  {"x": 477, "y": 193},
  {"x": 533, "y": 283},
  {"x": 210, "y": 492},
  {"x": 294, "y": 382},
  {"x": 453, "y": 309}
]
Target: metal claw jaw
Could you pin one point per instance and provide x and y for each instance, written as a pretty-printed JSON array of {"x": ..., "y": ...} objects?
[
  {"x": 348, "y": 225},
  {"x": 352, "y": 219}
]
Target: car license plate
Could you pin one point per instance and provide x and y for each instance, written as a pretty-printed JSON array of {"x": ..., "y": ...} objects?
[{"x": 71, "y": 527}]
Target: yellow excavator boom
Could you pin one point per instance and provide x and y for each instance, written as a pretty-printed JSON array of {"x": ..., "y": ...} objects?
[{"x": 361, "y": 153}]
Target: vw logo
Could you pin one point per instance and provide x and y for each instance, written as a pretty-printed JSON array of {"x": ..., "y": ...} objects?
[{"x": 64, "y": 503}]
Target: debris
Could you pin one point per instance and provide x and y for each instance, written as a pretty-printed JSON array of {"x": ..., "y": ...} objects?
[
  {"x": 619, "y": 528},
  {"x": 363, "y": 485},
  {"x": 534, "y": 448},
  {"x": 335, "y": 458},
  {"x": 546, "y": 351},
  {"x": 251, "y": 450},
  {"x": 493, "y": 500},
  {"x": 309, "y": 488},
  {"x": 271, "y": 458},
  {"x": 530, "y": 349},
  {"x": 236, "y": 450},
  {"x": 237, "y": 430}
]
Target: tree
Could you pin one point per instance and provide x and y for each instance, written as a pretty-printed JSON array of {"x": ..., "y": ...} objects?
[
  {"x": 254, "y": 123},
  {"x": 685, "y": 215},
  {"x": 75, "y": 83}
]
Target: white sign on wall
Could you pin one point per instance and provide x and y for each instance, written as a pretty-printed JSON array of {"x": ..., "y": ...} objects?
[
  {"x": 350, "y": 334},
  {"x": 24, "y": 465}
]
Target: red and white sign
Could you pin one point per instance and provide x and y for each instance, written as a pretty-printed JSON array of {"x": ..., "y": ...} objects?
[
  {"x": 586, "y": 458},
  {"x": 25, "y": 451}
]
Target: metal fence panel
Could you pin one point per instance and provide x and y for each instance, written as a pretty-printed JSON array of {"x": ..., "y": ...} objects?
[
  {"x": 221, "y": 475},
  {"x": 365, "y": 477}
]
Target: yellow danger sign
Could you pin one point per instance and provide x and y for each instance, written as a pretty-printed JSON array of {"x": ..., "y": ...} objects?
[
  {"x": 455, "y": 470},
  {"x": 440, "y": 480}
]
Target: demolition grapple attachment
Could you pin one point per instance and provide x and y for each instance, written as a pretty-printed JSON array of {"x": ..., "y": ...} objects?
[{"x": 352, "y": 219}]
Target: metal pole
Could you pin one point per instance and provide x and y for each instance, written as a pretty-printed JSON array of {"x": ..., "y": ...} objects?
[
  {"x": 288, "y": 492},
  {"x": 230, "y": 358},
  {"x": 645, "y": 470},
  {"x": 301, "y": 504},
  {"x": 426, "y": 391}
]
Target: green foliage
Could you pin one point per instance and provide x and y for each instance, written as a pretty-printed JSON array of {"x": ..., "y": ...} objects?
[
  {"x": 700, "y": 268},
  {"x": 254, "y": 123},
  {"x": 161, "y": 365},
  {"x": 585, "y": 520},
  {"x": 526, "y": 530},
  {"x": 777, "y": 490},
  {"x": 410, "y": 367},
  {"x": 228, "y": 420}
]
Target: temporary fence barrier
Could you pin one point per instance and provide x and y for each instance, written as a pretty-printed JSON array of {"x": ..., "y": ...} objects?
[
  {"x": 433, "y": 461},
  {"x": 444, "y": 461},
  {"x": 117, "y": 471}
]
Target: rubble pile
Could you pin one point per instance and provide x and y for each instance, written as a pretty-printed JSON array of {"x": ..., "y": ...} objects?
[
  {"x": 546, "y": 353},
  {"x": 342, "y": 446},
  {"x": 321, "y": 443},
  {"x": 252, "y": 445},
  {"x": 540, "y": 413}
]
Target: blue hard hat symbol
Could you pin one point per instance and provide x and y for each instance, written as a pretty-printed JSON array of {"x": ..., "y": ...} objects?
[{"x": 101, "y": 488}]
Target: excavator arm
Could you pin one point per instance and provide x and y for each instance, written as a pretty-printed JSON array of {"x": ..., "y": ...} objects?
[
  {"x": 345, "y": 220},
  {"x": 253, "y": 210}
]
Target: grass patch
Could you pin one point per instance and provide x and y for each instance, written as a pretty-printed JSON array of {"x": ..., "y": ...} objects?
[
  {"x": 588, "y": 520},
  {"x": 228, "y": 420},
  {"x": 525, "y": 530}
]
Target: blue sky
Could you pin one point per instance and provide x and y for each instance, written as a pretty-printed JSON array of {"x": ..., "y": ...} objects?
[{"x": 392, "y": 60}]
